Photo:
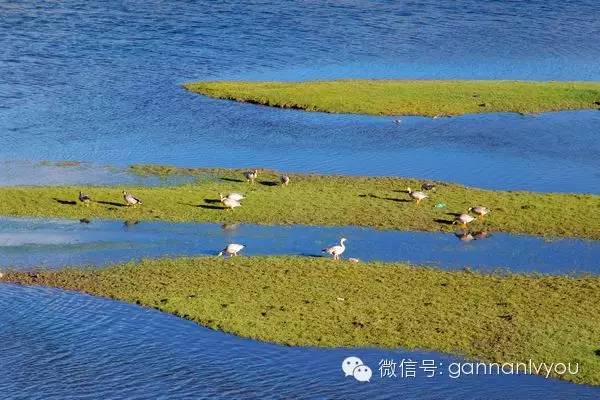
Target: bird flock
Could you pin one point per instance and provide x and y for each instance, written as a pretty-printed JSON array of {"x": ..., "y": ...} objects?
[
  {"x": 234, "y": 200},
  {"x": 463, "y": 219}
]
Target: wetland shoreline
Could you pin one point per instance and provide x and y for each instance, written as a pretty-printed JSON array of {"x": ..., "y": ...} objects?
[
  {"x": 430, "y": 98},
  {"x": 379, "y": 202},
  {"x": 317, "y": 302}
]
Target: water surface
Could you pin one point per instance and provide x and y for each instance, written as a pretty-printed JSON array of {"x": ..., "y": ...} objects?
[
  {"x": 62, "y": 345},
  {"x": 98, "y": 83},
  {"x": 47, "y": 173},
  {"x": 26, "y": 243}
]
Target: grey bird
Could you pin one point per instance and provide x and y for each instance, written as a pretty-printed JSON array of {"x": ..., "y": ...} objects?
[
  {"x": 251, "y": 175},
  {"x": 480, "y": 210},
  {"x": 418, "y": 196},
  {"x": 130, "y": 199},
  {"x": 464, "y": 219},
  {"x": 84, "y": 198},
  {"x": 428, "y": 186}
]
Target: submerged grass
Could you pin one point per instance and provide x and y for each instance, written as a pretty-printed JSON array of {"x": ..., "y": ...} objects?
[
  {"x": 378, "y": 202},
  {"x": 409, "y": 97},
  {"x": 319, "y": 302}
]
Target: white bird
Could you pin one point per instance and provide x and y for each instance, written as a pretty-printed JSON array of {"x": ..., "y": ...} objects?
[
  {"x": 251, "y": 175},
  {"x": 130, "y": 199},
  {"x": 480, "y": 210},
  {"x": 285, "y": 180},
  {"x": 418, "y": 196},
  {"x": 232, "y": 249},
  {"x": 464, "y": 219},
  {"x": 234, "y": 196},
  {"x": 230, "y": 203},
  {"x": 336, "y": 251}
]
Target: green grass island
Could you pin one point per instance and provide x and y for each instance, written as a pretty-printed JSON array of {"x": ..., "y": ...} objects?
[
  {"x": 430, "y": 98},
  {"x": 378, "y": 202},
  {"x": 319, "y": 302}
]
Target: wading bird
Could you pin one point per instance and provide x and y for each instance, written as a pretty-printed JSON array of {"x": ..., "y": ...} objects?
[
  {"x": 464, "y": 219},
  {"x": 251, "y": 175},
  {"x": 336, "y": 251},
  {"x": 232, "y": 249},
  {"x": 230, "y": 203},
  {"x": 285, "y": 180},
  {"x": 130, "y": 199},
  {"x": 480, "y": 210},
  {"x": 418, "y": 196},
  {"x": 84, "y": 198}
]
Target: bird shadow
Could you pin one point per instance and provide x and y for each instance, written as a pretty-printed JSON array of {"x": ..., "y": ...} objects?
[
  {"x": 454, "y": 214},
  {"x": 311, "y": 255},
  {"x": 231, "y": 180},
  {"x": 111, "y": 203},
  {"x": 188, "y": 204},
  {"x": 211, "y": 207},
  {"x": 443, "y": 221},
  {"x": 267, "y": 183},
  {"x": 65, "y": 202},
  {"x": 212, "y": 201},
  {"x": 385, "y": 198}
]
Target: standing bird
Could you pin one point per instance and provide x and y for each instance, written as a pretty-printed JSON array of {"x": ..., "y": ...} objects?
[
  {"x": 230, "y": 203},
  {"x": 84, "y": 198},
  {"x": 480, "y": 210},
  {"x": 233, "y": 196},
  {"x": 464, "y": 219},
  {"x": 232, "y": 249},
  {"x": 130, "y": 199},
  {"x": 418, "y": 196},
  {"x": 336, "y": 251},
  {"x": 251, "y": 175},
  {"x": 285, "y": 180},
  {"x": 428, "y": 186}
]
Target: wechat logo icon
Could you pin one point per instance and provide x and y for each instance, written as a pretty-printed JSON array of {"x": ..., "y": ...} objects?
[{"x": 353, "y": 366}]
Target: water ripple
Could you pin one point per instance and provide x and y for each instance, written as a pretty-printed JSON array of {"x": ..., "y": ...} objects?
[{"x": 62, "y": 345}]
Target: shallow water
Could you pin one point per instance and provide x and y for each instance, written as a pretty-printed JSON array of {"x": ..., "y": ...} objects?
[
  {"x": 29, "y": 173},
  {"x": 33, "y": 242},
  {"x": 62, "y": 345},
  {"x": 99, "y": 83}
]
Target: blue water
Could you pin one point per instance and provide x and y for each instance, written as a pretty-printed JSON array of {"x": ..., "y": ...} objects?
[
  {"x": 27, "y": 243},
  {"x": 62, "y": 345},
  {"x": 99, "y": 83}
]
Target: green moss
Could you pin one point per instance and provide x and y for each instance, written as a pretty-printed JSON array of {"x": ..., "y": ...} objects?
[
  {"x": 409, "y": 97},
  {"x": 318, "y": 200},
  {"x": 319, "y": 302}
]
